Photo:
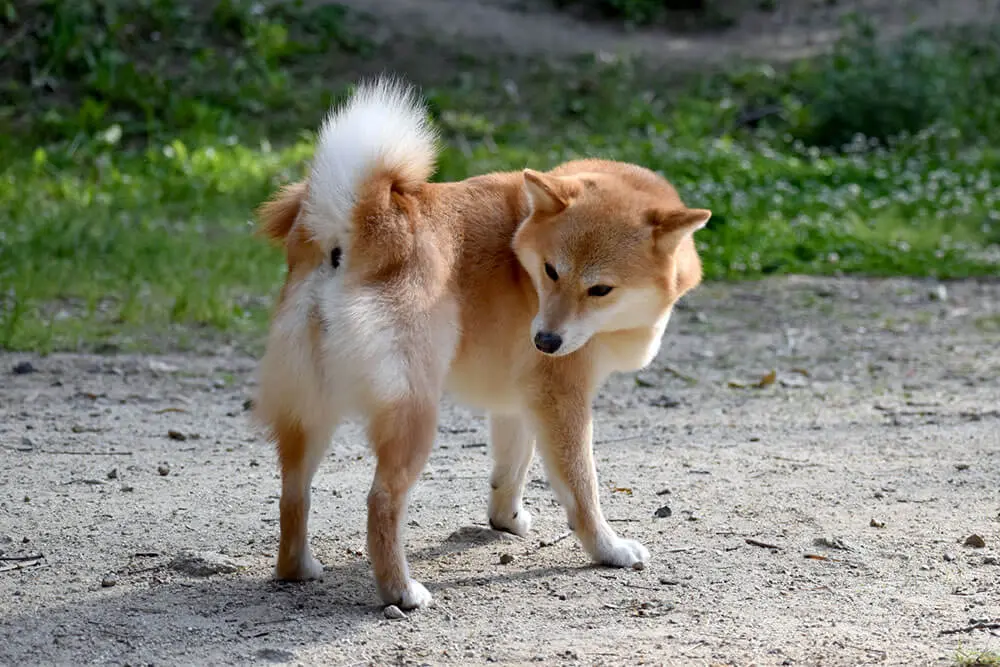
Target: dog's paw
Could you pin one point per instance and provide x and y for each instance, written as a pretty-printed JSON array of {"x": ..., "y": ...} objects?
[
  {"x": 618, "y": 552},
  {"x": 517, "y": 522},
  {"x": 414, "y": 596},
  {"x": 305, "y": 568}
]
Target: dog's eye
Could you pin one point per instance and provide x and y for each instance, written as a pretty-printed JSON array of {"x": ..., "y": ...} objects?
[
  {"x": 599, "y": 290},
  {"x": 550, "y": 271},
  {"x": 335, "y": 257}
]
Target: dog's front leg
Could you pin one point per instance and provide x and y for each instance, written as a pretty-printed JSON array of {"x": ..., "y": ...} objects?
[
  {"x": 402, "y": 435},
  {"x": 565, "y": 432}
]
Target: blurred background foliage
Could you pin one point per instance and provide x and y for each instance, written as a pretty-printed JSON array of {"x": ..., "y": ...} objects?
[{"x": 137, "y": 136}]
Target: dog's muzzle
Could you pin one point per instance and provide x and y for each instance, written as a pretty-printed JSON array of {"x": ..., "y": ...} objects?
[{"x": 548, "y": 342}]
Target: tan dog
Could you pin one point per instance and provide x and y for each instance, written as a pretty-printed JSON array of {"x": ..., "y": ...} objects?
[{"x": 516, "y": 292}]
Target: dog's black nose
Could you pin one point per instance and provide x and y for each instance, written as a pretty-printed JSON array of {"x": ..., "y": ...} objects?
[{"x": 547, "y": 342}]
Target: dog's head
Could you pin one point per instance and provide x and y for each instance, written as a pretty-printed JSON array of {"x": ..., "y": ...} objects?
[{"x": 608, "y": 246}]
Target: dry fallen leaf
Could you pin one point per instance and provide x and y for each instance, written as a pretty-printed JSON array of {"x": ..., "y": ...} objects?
[
  {"x": 821, "y": 557},
  {"x": 975, "y": 541},
  {"x": 765, "y": 381},
  {"x": 768, "y": 379},
  {"x": 623, "y": 489}
]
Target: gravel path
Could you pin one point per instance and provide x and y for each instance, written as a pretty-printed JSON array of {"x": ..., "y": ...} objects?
[
  {"x": 819, "y": 519},
  {"x": 417, "y": 32}
]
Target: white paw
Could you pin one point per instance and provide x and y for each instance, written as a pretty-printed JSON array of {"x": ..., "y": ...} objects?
[
  {"x": 516, "y": 521},
  {"x": 304, "y": 569},
  {"x": 618, "y": 552},
  {"x": 414, "y": 597}
]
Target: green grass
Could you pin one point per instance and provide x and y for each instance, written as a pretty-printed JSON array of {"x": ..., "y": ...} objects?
[
  {"x": 137, "y": 137},
  {"x": 978, "y": 659}
]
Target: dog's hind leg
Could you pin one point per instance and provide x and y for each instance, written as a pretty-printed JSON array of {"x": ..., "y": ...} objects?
[
  {"x": 513, "y": 446},
  {"x": 402, "y": 434},
  {"x": 300, "y": 452}
]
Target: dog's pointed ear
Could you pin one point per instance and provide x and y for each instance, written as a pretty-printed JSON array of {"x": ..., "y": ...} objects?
[
  {"x": 278, "y": 214},
  {"x": 670, "y": 226},
  {"x": 549, "y": 194}
]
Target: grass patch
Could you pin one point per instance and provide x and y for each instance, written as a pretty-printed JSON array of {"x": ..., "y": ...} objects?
[
  {"x": 978, "y": 659},
  {"x": 140, "y": 135},
  {"x": 988, "y": 324}
]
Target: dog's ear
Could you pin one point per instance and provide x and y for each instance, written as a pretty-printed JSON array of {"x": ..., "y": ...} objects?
[
  {"x": 549, "y": 194},
  {"x": 670, "y": 226},
  {"x": 278, "y": 214}
]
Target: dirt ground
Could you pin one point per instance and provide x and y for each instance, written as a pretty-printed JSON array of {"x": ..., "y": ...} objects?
[
  {"x": 866, "y": 465},
  {"x": 821, "y": 519},
  {"x": 533, "y": 29}
]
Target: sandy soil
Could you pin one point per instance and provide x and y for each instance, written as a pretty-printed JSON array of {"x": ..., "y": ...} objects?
[{"x": 866, "y": 465}]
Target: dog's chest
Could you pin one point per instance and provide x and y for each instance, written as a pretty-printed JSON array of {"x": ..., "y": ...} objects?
[{"x": 626, "y": 351}]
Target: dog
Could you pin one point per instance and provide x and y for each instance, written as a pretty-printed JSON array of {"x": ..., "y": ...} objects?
[{"x": 518, "y": 293}]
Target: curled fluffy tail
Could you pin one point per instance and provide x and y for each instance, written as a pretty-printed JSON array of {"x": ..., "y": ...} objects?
[{"x": 378, "y": 142}]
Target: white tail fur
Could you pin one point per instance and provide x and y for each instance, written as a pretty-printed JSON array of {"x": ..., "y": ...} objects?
[{"x": 383, "y": 126}]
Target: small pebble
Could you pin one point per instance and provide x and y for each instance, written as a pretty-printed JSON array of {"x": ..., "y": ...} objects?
[
  {"x": 832, "y": 543},
  {"x": 113, "y": 473},
  {"x": 275, "y": 655},
  {"x": 875, "y": 523},
  {"x": 393, "y": 613},
  {"x": 158, "y": 366},
  {"x": 961, "y": 466},
  {"x": 26, "y": 441},
  {"x": 125, "y": 488},
  {"x": 948, "y": 557},
  {"x": 176, "y": 435},
  {"x": 204, "y": 564},
  {"x": 665, "y": 402},
  {"x": 975, "y": 541},
  {"x": 163, "y": 469},
  {"x": 506, "y": 559},
  {"x": 991, "y": 560},
  {"x": 638, "y": 565},
  {"x": 23, "y": 368},
  {"x": 663, "y": 512},
  {"x": 938, "y": 293},
  {"x": 108, "y": 582}
]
